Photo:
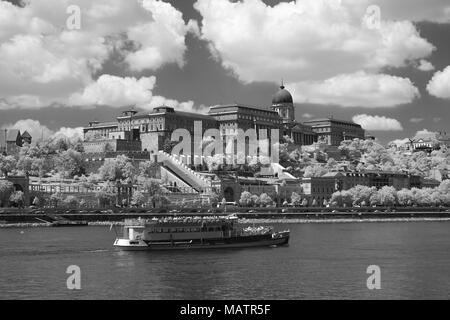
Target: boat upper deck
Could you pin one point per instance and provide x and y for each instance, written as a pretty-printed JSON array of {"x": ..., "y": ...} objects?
[{"x": 182, "y": 221}]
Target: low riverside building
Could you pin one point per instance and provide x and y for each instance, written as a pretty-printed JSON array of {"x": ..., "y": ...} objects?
[
  {"x": 279, "y": 190},
  {"x": 321, "y": 188},
  {"x": 429, "y": 183}
]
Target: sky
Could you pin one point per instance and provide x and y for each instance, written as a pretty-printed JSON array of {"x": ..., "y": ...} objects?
[{"x": 381, "y": 63}]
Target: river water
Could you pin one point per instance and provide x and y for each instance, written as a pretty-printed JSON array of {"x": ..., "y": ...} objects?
[{"x": 323, "y": 261}]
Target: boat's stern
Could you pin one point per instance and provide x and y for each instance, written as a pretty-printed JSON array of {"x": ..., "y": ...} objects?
[{"x": 130, "y": 244}]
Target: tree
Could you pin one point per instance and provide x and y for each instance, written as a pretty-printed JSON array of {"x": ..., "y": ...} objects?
[
  {"x": 336, "y": 198},
  {"x": 265, "y": 200},
  {"x": 129, "y": 171},
  {"x": 254, "y": 200},
  {"x": 39, "y": 166},
  {"x": 6, "y": 189},
  {"x": 7, "y": 164},
  {"x": 423, "y": 196},
  {"x": 138, "y": 198},
  {"x": 361, "y": 194},
  {"x": 56, "y": 198},
  {"x": 152, "y": 187},
  {"x": 115, "y": 169},
  {"x": 315, "y": 171},
  {"x": 36, "y": 201},
  {"x": 105, "y": 197},
  {"x": 405, "y": 197},
  {"x": 168, "y": 145},
  {"x": 296, "y": 199},
  {"x": 444, "y": 190},
  {"x": 149, "y": 169},
  {"x": 17, "y": 198},
  {"x": 347, "y": 198},
  {"x": 154, "y": 190},
  {"x": 246, "y": 199},
  {"x": 71, "y": 201},
  {"x": 24, "y": 164},
  {"x": 375, "y": 199},
  {"x": 213, "y": 198},
  {"x": 214, "y": 163},
  {"x": 436, "y": 197},
  {"x": 69, "y": 163},
  {"x": 388, "y": 196}
]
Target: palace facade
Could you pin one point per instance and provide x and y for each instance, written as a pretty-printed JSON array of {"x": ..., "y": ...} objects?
[
  {"x": 333, "y": 131},
  {"x": 154, "y": 129}
]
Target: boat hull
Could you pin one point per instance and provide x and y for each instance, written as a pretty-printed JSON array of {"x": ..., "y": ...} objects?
[{"x": 130, "y": 245}]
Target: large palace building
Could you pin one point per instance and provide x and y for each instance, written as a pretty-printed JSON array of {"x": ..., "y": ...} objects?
[
  {"x": 148, "y": 132},
  {"x": 332, "y": 131}
]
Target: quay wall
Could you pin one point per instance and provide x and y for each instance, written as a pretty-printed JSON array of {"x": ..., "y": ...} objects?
[{"x": 116, "y": 217}]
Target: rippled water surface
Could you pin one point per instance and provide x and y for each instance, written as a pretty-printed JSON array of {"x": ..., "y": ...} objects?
[{"x": 323, "y": 261}]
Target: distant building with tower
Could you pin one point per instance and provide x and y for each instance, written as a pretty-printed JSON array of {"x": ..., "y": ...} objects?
[
  {"x": 11, "y": 140},
  {"x": 430, "y": 140}
]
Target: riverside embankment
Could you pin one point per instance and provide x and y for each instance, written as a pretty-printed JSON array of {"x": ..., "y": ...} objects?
[{"x": 316, "y": 215}]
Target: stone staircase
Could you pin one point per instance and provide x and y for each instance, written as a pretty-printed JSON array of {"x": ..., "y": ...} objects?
[
  {"x": 183, "y": 172},
  {"x": 278, "y": 168}
]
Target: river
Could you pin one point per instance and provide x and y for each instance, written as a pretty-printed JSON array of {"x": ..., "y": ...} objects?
[{"x": 323, "y": 261}]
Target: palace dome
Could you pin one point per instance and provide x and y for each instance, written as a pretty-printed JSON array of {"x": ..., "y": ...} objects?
[{"x": 282, "y": 96}]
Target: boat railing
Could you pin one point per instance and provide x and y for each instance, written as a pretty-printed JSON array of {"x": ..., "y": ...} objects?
[
  {"x": 135, "y": 222},
  {"x": 253, "y": 231}
]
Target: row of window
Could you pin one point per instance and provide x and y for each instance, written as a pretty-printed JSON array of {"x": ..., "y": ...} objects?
[
  {"x": 322, "y": 190},
  {"x": 185, "y": 229}
]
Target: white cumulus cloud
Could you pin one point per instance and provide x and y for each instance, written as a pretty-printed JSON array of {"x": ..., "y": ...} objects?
[
  {"x": 125, "y": 91},
  {"x": 34, "y": 128},
  {"x": 40, "y": 57},
  {"x": 425, "y": 65},
  {"x": 305, "y": 40},
  {"x": 115, "y": 91},
  {"x": 439, "y": 85},
  {"x": 377, "y": 123},
  {"x": 69, "y": 133},
  {"x": 359, "y": 89},
  {"x": 39, "y": 131}
]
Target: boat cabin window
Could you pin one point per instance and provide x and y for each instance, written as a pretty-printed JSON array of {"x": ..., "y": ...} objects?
[{"x": 188, "y": 229}]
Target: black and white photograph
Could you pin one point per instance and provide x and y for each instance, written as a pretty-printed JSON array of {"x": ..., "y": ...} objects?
[{"x": 225, "y": 155}]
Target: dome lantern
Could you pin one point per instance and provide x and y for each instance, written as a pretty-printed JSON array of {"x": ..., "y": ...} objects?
[{"x": 283, "y": 103}]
